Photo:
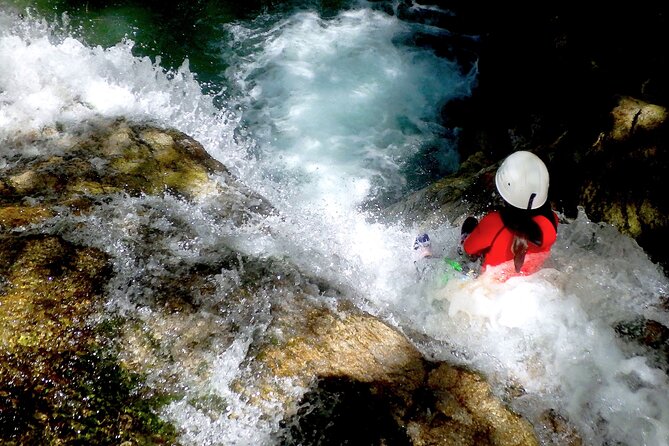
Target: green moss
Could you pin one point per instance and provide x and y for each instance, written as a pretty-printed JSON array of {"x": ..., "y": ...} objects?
[
  {"x": 60, "y": 379},
  {"x": 151, "y": 171},
  {"x": 633, "y": 223},
  {"x": 79, "y": 398},
  {"x": 651, "y": 216}
]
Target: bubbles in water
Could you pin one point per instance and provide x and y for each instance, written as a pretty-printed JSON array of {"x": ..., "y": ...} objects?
[
  {"x": 340, "y": 104},
  {"x": 553, "y": 334}
]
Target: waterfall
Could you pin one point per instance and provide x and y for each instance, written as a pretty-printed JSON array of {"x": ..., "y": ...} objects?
[{"x": 321, "y": 115}]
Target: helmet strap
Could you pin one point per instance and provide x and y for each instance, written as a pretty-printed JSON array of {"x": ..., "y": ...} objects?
[{"x": 529, "y": 202}]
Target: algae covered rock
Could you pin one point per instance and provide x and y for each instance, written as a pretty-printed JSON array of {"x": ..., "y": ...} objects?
[
  {"x": 61, "y": 378},
  {"x": 624, "y": 175},
  {"x": 59, "y": 381},
  {"x": 104, "y": 158}
]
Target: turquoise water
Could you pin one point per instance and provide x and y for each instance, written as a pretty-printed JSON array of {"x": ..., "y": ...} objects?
[
  {"x": 173, "y": 31},
  {"x": 372, "y": 97}
]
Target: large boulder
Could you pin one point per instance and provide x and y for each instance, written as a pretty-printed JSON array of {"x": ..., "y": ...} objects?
[
  {"x": 368, "y": 384},
  {"x": 623, "y": 175},
  {"x": 62, "y": 380},
  {"x": 78, "y": 167},
  {"x": 74, "y": 370}
]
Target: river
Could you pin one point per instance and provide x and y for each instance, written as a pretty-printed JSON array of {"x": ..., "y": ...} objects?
[{"x": 324, "y": 108}]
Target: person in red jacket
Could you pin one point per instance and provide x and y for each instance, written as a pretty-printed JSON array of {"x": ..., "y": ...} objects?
[{"x": 518, "y": 236}]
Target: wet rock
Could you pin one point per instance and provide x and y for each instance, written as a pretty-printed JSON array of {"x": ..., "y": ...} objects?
[
  {"x": 16, "y": 216},
  {"x": 559, "y": 430},
  {"x": 62, "y": 380},
  {"x": 470, "y": 191},
  {"x": 59, "y": 383},
  {"x": 650, "y": 334},
  {"x": 79, "y": 167},
  {"x": 69, "y": 374},
  {"x": 632, "y": 116},
  {"x": 337, "y": 411},
  {"x": 357, "y": 346},
  {"x": 623, "y": 173},
  {"x": 360, "y": 372},
  {"x": 466, "y": 401},
  {"x": 48, "y": 291}
]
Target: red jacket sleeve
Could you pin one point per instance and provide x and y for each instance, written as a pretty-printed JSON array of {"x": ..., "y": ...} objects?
[
  {"x": 547, "y": 230},
  {"x": 481, "y": 238}
]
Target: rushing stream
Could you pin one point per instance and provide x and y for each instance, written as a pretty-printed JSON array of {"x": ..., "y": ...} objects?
[{"x": 322, "y": 111}]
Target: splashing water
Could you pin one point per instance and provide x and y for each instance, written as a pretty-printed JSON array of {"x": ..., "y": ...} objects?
[
  {"x": 337, "y": 106},
  {"x": 323, "y": 116}
]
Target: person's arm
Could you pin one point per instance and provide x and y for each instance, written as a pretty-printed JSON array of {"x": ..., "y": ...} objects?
[
  {"x": 481, "y": 238},
  {"x": 548, "y": 232}
]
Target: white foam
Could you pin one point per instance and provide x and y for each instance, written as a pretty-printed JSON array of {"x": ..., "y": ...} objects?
[
  {"x": 47, "y": 81},
  {"x": 339, "y": 104},
  {"x": 553, "y": 333}
]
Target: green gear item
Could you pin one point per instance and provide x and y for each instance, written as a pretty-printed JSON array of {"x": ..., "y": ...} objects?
[
  {"x": 453, "y": 264},
  {"x": 449, "y": 274}
]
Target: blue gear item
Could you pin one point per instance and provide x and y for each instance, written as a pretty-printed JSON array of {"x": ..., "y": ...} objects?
[{"x": 422, "y": 241}]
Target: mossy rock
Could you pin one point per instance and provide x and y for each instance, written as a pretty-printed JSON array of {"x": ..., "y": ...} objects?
[
  {"x": 624, "y": 174},
  {"x": 118, "y": 157},
  {"x": 59, "y": 380}
]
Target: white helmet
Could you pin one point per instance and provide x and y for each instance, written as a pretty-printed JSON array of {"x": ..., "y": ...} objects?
[{"x": 522, "y": 180}]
